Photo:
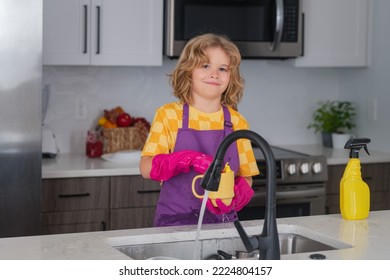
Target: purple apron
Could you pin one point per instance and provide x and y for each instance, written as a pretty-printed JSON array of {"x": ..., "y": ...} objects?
[{"x": 177, "y": 205}]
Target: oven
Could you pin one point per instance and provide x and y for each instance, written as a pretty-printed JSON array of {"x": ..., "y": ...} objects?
[{"x": 300, "y": 185}]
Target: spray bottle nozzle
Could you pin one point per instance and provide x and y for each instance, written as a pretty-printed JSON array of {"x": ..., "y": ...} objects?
[{"x": 355, "y": 144}]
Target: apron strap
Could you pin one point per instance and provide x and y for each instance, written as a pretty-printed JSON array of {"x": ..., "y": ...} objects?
[
  {"x": 185, "y": 115},
  {"x": 228, "y": 125}
]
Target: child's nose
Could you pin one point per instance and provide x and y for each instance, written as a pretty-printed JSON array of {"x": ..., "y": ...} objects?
[{"x": 214, "y": 74}]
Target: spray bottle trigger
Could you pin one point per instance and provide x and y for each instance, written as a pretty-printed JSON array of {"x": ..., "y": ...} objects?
[{"x": 365, "y": 148}]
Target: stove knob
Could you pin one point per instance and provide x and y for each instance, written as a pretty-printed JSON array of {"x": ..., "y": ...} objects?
[
  {"x": 291, "y": 169},
  {"x": 317, "y": 167},
  {"x": 304, "y": 168}
]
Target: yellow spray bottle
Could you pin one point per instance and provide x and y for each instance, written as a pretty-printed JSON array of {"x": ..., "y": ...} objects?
[{"x": 354, "y": 192}]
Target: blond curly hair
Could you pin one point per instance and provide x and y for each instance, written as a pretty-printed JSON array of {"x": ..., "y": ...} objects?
[{"x": 194, "y": 55}]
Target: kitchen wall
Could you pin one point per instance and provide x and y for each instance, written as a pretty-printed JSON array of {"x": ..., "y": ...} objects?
[
  {"x": 278, "y": 102},
  {"x": 372, "y": 84}
]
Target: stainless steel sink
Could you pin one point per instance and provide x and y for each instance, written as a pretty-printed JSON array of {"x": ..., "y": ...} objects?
[{"x": 292, "y": 239}]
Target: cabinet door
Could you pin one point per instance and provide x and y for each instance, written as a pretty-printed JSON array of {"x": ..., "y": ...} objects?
[
  {"x": 75, "y": 204},
  {"x": 102, "y": 32},
  {"x": 139, "y": 217},
  {"x": 127, "y": 32},
  {"x": 133, "y": 191},
  {"x": 75, "y": 221},
  {"x": 133, "y": 201},
  {"x": 66, "y": 32},
  {"x": 387, "y": 184},
  {"x": 335, "y": 33},
  {"x": 374, "y": 176},
  {"x": 73, "y": 194}
]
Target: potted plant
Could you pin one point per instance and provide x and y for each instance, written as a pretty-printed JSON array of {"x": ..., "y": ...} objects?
[{"x": 333, "y": 118}]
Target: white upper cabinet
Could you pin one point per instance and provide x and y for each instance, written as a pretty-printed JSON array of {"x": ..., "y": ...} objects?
[
  {"x": 335, "y": 34},
  {"x": 102, "y": 32}
]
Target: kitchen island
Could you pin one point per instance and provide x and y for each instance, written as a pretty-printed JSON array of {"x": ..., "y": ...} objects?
[
  {"x": 124, "y": 193},
  {"x": 362, "y": 239}
]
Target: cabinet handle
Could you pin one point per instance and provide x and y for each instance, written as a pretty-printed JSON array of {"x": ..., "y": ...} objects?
[
  {"x": 85, "y": 28},
  {"x": 98, "y": 30},
  {"x": 73, "y": 195},
  {"x": 148, "y": 191}
]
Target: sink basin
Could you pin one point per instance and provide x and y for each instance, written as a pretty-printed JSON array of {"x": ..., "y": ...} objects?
[{"x": 292, "y": 240}]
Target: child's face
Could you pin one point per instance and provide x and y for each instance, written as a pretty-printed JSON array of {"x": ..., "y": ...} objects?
[{"x": 211, "y": 78}]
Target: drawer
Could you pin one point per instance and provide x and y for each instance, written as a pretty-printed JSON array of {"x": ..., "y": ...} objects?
[
  {"x": 133, "y": 191},
  {"x": 335, "y": 173},
  {"x": 132, "y": 218},
  {"x": 75, "y": 194},
  {"x": 333, "y": 204},
  {"x": 75, "y": 221},
  {"x": 374, "y": 176}
]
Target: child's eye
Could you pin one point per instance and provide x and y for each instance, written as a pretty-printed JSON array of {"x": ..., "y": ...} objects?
[
  {"x": 222, "y": 69},
  {"x": 206, "y": 66}
]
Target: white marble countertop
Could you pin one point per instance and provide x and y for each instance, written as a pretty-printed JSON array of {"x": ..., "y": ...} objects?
[
  {"x": 79, "y": 165},
  {"x": 368, "y": 239}
]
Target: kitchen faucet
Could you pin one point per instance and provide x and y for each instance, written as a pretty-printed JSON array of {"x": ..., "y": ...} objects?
[{"x": 268, "y": 241}]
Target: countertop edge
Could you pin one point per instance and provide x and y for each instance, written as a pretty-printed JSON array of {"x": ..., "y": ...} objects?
[
  {"x": 78, "y": 165},
  {"x": 367, "y": 238}
]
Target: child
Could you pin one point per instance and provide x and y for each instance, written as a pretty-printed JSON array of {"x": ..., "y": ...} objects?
[{"x": 185, "y": 135}]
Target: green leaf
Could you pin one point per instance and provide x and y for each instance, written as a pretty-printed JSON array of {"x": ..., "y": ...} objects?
[{"x": 333, "y": 117}]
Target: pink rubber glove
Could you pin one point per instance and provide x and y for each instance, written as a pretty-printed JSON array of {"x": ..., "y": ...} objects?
[
  {"x": 166, "y": 166},
  {"x": 242, "y": 195}
]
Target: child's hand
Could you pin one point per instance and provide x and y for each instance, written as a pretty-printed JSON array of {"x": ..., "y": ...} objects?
[
  {"x": 201, "y": 162},
  {"x": 242, "y": 195},
  {"x": 221, "y": 209},
  {"x": 166, "y": 166}
]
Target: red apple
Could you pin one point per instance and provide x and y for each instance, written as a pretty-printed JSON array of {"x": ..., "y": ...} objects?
[{"x": 124, "y": 120}]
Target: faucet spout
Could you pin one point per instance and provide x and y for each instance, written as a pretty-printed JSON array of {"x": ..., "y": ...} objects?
[{"x": 268, "y": 241}]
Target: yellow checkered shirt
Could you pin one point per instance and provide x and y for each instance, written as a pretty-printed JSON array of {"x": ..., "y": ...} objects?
[{"x": 168, "y": 119}]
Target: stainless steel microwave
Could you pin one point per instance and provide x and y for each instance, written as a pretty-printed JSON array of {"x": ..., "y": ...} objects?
[{"x": 260, "y": 28}]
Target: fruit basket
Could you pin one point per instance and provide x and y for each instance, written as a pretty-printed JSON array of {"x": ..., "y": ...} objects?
[
  {"x": 122, "y": 138},
  {"x": 120, "y": 131}
]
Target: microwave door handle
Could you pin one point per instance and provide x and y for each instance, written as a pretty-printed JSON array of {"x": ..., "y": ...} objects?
[{"x": 279, "y": 19}]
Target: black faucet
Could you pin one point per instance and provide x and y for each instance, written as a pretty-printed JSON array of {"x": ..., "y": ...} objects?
[{"x": 268, "y": 241}]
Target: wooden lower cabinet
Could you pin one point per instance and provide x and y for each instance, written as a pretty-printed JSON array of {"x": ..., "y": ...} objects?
[
  {"x": 75, "y": 204},
  {"x": 75, "y": 221},
  {"x": 98, "y": 203},
  {"x": 133, "y": 202},
  {"x": 376, "y": 175},
  {"x": 126, "y": 202},
  {"x": 138, "y": 217}
]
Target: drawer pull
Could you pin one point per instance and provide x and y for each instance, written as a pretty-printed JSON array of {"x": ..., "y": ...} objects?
[
  {"x": 148, "y": 191},
  {"x": 73, "y": 195}
]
